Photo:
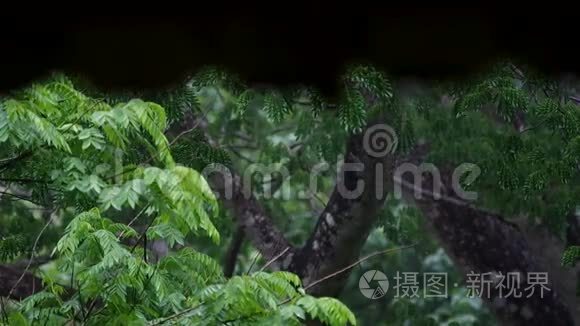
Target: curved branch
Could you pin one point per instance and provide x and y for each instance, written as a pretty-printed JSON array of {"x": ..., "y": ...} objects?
[
  {"x": 248, "y": 212},
  {"x": 16, "y": 284},
  {"x": 347, "y": 219},
  {"x": 232, "y": 254},
  {"x": 251, "y": 216},
  {"x": 483, "y": 242}
]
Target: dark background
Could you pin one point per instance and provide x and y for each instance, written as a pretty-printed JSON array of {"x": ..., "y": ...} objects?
[{"x": 309, "y": 45}]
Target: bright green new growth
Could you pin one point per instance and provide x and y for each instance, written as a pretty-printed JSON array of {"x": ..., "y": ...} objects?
[
  {"x": 85, "y": 158},
  {"x": 87, "y": 153}
]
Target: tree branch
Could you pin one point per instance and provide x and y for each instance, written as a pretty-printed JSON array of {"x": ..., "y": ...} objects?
[
  {"x": 329, "y": 276},
  {"x": 23, "y": 180},
  {"x": 33, "y": 252},
  {"x": 233, "y": 251},
  {"x": 480, "y": 241},
  {"x": 344, "y": 269},
  {"x": 346, "y": 221},
  {"x": 6, "y": 163},
  {"x": 248, "y": 212},
  {"x": 37, "y": 261},
  {"x": 17, "y": 284},
  {"x": 271, "y": 261},
  {"x": 20, "y": 197},
  {"x": 250, "y": 215}
]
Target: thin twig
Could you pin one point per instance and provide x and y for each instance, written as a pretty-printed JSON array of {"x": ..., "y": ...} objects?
[
  {"x": 243, "y": 136},
  {"x": 517, "y": 71},
  {"x": 249, "y": 147},
  {"x": 106, "y": 287},
  {"x": 72, "y": 286},
  {"x": 282, "y": 129},
  {"x": 97, "y": 101},
  {"x": 32, "y": 254},
  {"x": 432, "y": 194},
  {"x": 134, "y": 304},
  {"x": 575, "y": 99},
  {"x": 227, "y": 322},
  {"x": 382, "y": 252},
  {"x": 145, "y": 247},
  {"x": 315, "y": 195},
  {"x": 274, "y": 259},
  {"x": 142, "y": 235},
  {"x": 135, "y": 218},
  {"x": 253, "y": 262},
  {"x": 306, "y": 288},
  {"x": 23, "y": 180},
  {"x": 233, "y": 251},
  {"x": 92, "y": 304},
  {"x": 329, "y": 276},
  {"x": 240, "y": 155},
  {"x": 82, "y": 305},
  {"x": 358, "y": 262},
  {"x": 9, "y": 161},
  {"x": 40, "y": 260},
  {"x": 4, "y": 312},
  {"x": 177, "y": 315},
  {"x": 20, "y": 197},
  {"x": 533, "y": 127},
  {"x": 181, "y": 134},
  {"x": 91, "y": 307}
]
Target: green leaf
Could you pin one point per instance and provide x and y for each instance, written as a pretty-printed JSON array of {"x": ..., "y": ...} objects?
[
  {"x": 571, "y": 256},
  {"x": 74, "y": 163},
  {"x": 17, "y": 319},
  {"x": 166, "y": 232}
]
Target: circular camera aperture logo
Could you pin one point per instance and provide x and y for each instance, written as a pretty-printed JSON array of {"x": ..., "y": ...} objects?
[{"x": 374, "y": 290}]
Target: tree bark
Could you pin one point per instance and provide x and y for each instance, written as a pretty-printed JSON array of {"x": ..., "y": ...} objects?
[
  {"x": 341, "y": 229},
  {"x": 27, "y": 286},
  {"x": 482, "y": 242},
  {"x": 347, "y": 219},
  {"x": 233, "y": 251},
  {"x": 477, "y": 240},
  {"x": 251, "y": 216}
]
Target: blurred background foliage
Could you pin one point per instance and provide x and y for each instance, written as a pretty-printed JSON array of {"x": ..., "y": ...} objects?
[{"x": 292, "y": 131}]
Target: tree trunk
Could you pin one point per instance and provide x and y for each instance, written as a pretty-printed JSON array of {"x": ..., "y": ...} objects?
[{"x": 486, "y": 247}]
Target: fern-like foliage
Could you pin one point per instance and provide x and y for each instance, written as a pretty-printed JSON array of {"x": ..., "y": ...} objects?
[
  {"x": 184, "y": 288},
  {"x": 571, "y": 256},
  {"x": 104, "y": 178},
  {"x": 115, "y": 181}
]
